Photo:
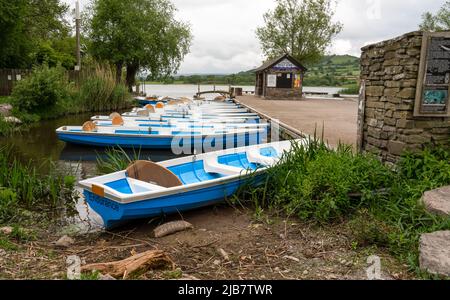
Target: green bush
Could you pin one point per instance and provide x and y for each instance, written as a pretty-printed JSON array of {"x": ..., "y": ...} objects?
[{"x": 42, "y": 90}]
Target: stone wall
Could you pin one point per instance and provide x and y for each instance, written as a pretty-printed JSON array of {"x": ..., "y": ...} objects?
[
  {"x": 390, "y": 71},
  {"x": 276, "y": 94}
]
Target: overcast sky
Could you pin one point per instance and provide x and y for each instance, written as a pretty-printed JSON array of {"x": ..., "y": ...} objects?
[{"x": 224, "y": 30}]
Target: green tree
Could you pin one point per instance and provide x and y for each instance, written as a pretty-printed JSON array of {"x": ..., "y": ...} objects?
[
  {"x": 301, "y": 28},
  {"x": 138, "y": 34},
  {"x": 28, "y": 29},
  {"x": 437, "y": 22},
  {"x": 15, "y": 46},
  {"x": 46, "y": 19}
]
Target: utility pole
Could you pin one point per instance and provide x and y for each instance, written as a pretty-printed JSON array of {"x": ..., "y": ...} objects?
[{"x": 77, "y": 29}]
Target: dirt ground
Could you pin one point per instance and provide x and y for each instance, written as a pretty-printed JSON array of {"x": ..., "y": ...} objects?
[
  {"x": 338, "y": 118},
  {"x": 264, "y": 248}
]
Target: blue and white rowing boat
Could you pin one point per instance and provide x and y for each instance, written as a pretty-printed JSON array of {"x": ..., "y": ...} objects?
[
  {"x": 193, "y": 114},
  {"x": 160, "y": 138},
  {"x": 179, "y": 125},
  {"x": 184, "y": 118},
  {"x": 147, "y": 189}
]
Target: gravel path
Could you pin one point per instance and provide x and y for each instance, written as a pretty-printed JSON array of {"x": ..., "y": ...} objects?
[{"x": 338, "y": 116}]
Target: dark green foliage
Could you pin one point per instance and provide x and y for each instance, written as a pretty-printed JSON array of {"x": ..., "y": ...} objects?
[
  {"x": 26, "y": 25},
  {"x": 42, "y": 90},
  {"x": 15, "y": 45},
  {"x": 57, "y": 52}
]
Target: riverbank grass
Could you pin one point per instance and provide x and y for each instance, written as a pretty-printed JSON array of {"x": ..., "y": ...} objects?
[
  {"x": 22, "y": 187},
  {"x": 380, "y": 205}
]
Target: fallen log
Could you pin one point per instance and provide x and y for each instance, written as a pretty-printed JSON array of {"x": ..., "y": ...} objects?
[
  {"x": 138, "y": 263},
  {"x": 171, "y": 227}
]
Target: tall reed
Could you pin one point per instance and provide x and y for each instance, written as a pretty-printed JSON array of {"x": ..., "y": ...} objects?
[
  {"x": 30, "y": 188},
  {"x": 99, "y": 91},
  {"x": 115, "y": 160}
]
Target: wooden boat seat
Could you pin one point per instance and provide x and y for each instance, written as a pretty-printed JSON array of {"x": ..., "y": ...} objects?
[
  {"x": 151, "y": 172},
  {"x": 113, "y": 115},
  {"x": 174, "y": 102},
  {"x": 89, "y": 126},
  {"x": 117, "y": 121},
  {"x": 143, "y": 113},
  {"x": 150, "y": 108},
  {"x": 211, "y": 165},
  {"x": 254, "y": 156}
]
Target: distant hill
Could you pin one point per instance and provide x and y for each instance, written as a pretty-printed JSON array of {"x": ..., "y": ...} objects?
[{"x": 332, "y": 70}]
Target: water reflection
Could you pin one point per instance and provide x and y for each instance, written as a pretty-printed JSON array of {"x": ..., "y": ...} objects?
[{"x": 40, "y": 146}]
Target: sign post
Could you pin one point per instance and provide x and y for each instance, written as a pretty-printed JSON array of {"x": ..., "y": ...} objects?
[
  {"x": 433, "y": 85},
  {"x": 77, "y": 26}
]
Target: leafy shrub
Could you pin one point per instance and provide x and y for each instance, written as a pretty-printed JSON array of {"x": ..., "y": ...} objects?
[{"x": 43, "y": 89}]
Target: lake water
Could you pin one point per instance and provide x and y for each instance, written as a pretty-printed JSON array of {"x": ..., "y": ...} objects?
[
  {"x": 41, "y": 145},
  {"x": 189, "y": 90}
]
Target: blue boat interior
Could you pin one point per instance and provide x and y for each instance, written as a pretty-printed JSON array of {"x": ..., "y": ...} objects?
[
  {"x": 121, "y": 186},
  {"x": 238, "y": 160},
  {"x": 136, "y": 132},
  {"x": 269, "y": 152},
  {"x": 185, "y": 132},
  {"x": 157, "y": 125},
  {"x": 191, "y": 173},
  {"x": 194, "y": 172}
]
